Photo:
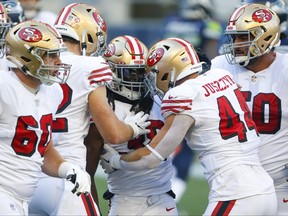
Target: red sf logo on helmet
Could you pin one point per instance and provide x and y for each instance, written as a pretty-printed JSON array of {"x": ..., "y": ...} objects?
[
  {"x": 155, "y": 57},
  {"x": 261, "y": 16},
  {"x": 110, "y": 51},
  {"x": 100, "y": 21},
  {"x": 30, "y": 34}
]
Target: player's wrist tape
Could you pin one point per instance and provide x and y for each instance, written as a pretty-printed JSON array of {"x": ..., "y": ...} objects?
[
  {"x": 115, "y": 161},
  {"x": 135, "y": 129},
  {"x": 155, "y": 152},
  {"x": 63, "y": 169}
]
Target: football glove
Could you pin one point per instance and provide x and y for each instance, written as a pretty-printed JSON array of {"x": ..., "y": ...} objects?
[
  {"x": 138, "y": 123},
  {"x": 110, "y": 159},
  {"x": 77, "y": 176}
]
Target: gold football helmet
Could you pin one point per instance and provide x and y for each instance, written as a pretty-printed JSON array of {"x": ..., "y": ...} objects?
[
  {"x": 168, "y": 61},
  {"x": 84, "y": 24},
  {"x": 259, "y": 24},
  {"x": 4, "y": 28},
  {"x": 126, "y": 56},
  {"x": 30, "y": 46}
]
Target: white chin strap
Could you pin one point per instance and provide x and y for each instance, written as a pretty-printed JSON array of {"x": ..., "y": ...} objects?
[
  {"x": 243, "y": 60},
  {"x": 129, "y": 94}
]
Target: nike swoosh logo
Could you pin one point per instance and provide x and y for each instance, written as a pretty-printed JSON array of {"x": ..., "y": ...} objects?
[
  {"x": 169, "y": 209},
  {"x": 285, "y": 200}
]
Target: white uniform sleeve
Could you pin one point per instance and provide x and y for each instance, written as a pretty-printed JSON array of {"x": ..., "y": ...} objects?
[
  {"x": 165, "y": 147},
  {"x": 100, "y": 76}
]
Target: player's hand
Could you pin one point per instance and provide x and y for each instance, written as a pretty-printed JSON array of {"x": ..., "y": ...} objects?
[
  {"x": 108, "y": 156},
  {"x": 77, "y": 176},
  {"x": 138, "y": 123}
]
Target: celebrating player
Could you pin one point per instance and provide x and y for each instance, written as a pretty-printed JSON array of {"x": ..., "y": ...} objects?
[
  {"x": 211, "y": 113},
  {"x": 84, "y": 33},
  {"x": 28, "y": 103},
  {"x": 254, "y": 31},
  {"x": 135, "y": 191}
]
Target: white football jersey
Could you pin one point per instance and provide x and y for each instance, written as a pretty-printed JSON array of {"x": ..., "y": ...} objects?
[
  {"x": 142, "y": 182},
  {"x": 266, "y": 95},
  {"x": 73, "y": 118},
  {"x": 224, "y": 135},
  {"x": 25, "y": 131},
  {"x": 3, "y": 64}
]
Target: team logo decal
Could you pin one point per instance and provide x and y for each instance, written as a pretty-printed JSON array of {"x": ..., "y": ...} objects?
[
  {"x": 99, "y": 20},
  {"x": 76, "y": 20},
  {"x": 155, "y": 56},
  {"x": 110, "y": 51},
  {"x": 261, "y": 16},
  {"x": 30, "y": 34}
]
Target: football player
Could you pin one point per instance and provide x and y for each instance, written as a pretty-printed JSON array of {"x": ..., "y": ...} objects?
[
  {"x": 254, "y": 32},
  {"x": 210, "y": 112},
  {"x": 29, "y": 100},
  {"x": 84, "y": 33},
  {"x": 195, "y": 23},
  {"x": 138, "y": 192}
]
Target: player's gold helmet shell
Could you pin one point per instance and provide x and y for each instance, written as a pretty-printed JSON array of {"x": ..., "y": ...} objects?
[
  {"x": 83, "y": 23},
  {"x": 170, "y": 60},
  {"x": 260, "y": 24},
  {"x": 126, "y": 56},
  {"x": 28, "y": 43}
]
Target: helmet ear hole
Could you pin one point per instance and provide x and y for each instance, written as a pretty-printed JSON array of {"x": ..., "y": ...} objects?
[
  {"x": 165, "y": 77},
  {"x": 90, "y": 39},
  {"x": 268, "y": 38},
  {"x": 25, "y": 59}
]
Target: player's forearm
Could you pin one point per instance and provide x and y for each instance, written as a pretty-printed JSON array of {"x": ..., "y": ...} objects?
[
  {"x": 132, "y": 161},
  {"x": 52, "y": 161},
  {"x": 162, "y": 145},
  {"x": 110, "y": 127}
]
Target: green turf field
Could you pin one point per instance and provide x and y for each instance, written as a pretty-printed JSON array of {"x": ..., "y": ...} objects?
[{"x": 193, "y": 202}]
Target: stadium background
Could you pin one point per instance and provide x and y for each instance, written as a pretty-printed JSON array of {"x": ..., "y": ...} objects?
[{"x": 140, "y": 18}]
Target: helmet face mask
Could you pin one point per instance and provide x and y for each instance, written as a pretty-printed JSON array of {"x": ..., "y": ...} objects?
[
  {"x": 128, "y": 81},
  {"x": 262, "y": 29},
  {"x": 47, "y": 72},
  {"x": 35, "y": 47},
  {"x": 244, "y": 50},
  {"x": 126, "y": 57}
]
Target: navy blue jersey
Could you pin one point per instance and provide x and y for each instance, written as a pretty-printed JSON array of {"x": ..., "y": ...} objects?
[{"x": 196, "y": 32}]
